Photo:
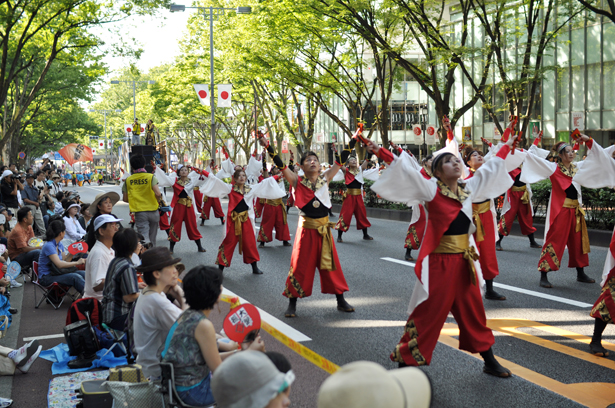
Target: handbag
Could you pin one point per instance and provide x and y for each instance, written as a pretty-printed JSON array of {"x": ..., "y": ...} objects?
[
  {"x": 132, "y": 373},
  {"x": 55, "y": 271}
]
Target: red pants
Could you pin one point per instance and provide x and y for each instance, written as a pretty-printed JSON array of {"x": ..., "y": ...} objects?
[
  {"x": 562, "y": 233},
  {"x": 258, "y": 207},
  {"x": 416, "y": 231},
  {"x": 450, "y": 290},
  {"x": 198, "y": 200},
  {"x": 182, "y": 214},
  {"x": 352, "y": 205},
  {"x": 604, "y": 308},
  {"x": 248, "y": 242},
  {"x": 164, "y": 221},
  {"x": 304, "y": 262},
  {"x": 208, "y": 204},
  {"x": 273, "y": 216},
  {"x": 523, "y": 212},
  {"x": 486, "y": 248}
]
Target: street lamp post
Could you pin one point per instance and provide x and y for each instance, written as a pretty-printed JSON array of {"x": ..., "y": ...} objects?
[
  {"x": 134, "y": 93},
  {"x": 105, "y": 112},
  {"x": 211, "y": 13}
]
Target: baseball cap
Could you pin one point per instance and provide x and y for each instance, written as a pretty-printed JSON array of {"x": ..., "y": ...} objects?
[
  {"x": 364, "y": 384},
  {"x": 103, "y": 219},
  {"x": 248, "y": 380}
]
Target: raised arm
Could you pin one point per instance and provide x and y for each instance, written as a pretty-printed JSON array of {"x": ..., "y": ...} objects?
[
  {"x": 491, "y": 179},
  {"x": 289, "y": 175},
  {"x": 164, "y": 180}
]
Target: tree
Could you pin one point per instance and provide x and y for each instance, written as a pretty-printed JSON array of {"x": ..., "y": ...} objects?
[{"x": 594, "y": 6}]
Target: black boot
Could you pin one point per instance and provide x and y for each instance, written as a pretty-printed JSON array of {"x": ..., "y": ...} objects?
[
  {"x": 287, "y": 208},
  {"x": 292, "y": 308},
  {"x": 199, "y": 246},
  {"x": 544, "y": 282},
  {"x": 498, "y": 244},
  {"x": 582, "y": 277},
  {"x": 286, "y": 243},
  {"x": 366, "y": 235},
  {"x": 172, "y": 245},
  {"x": 533, "y": 243},
  {"x": 222, "y": 220},
  {"x": 202, "y": 221},
  {"x": 492, "y": 367},
  {"x": 595, "y": 347},
  {"x": 408, "y": 255},
  {"x": 261, "y": 244},
  {"x": 339, "y": 235},
  {"x": 168, "y": 232},
  {"x": 342, "y": 305},
  {"x": 255, "y": 269},
  {"x": 492, "y": 294},
  {"x": 221, "y": 267}
]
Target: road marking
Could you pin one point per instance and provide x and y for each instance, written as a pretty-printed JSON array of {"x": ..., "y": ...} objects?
[
  {"x": 515, "y": 289},
  {"x": 98, "y": 189},
  {"x": 274, "y": 322},
  {"x": 588, "y": 394},
  {"x": 50, "y": 336}
]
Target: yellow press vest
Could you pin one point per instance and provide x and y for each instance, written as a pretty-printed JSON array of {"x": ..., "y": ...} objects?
[{"x": 141, "y": 197}]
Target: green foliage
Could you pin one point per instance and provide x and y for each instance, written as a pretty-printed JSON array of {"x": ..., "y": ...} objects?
[{"x": 337, "y": 189}]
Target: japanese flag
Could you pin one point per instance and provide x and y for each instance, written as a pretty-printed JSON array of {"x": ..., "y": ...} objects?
[
  {"x": 143, "y": 128},
  {"x": 110, "y": 144},
  {"x": 101, "y": 144},
  {"x": 224, "y": 95},
  {"x": 93, "y": 151},
  {"x": 202, "y": 91},
  {"x": 128, "y": 128}
]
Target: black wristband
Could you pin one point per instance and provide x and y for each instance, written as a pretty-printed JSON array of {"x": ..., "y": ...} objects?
[
  {"x": 344, "y": 156},
  {"x": 276, "y": 159},
  {"x": 338, "y": 160},
  {"x": 352, "y": 143}
]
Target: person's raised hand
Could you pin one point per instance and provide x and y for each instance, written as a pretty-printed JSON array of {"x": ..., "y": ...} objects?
[{"x": 511, "y": 141}]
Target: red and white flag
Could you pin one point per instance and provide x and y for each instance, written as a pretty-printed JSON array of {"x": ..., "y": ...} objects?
[
  {"x": 93, "y": 151},
  {"x": 224, "y": 95},
  {"x": 101, "y": 144},
  {"x": 128, "y": 128},
  {"x": 110, "y": 144},
  {"x": 202, "y": 91}
]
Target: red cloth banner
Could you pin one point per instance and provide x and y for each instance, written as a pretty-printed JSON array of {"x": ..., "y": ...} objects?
[{"x": 75, "y": 152}]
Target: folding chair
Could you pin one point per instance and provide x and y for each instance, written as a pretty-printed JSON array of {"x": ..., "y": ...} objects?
[
  {"x": 50, "y": 293},
  {"x": 167, "y": 387},
  {"x": 117, "y": 340}
]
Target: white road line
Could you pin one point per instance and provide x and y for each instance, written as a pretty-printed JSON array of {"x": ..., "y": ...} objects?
[
  {"x": 279, "y": 325},
  {"x": 98, "y": 189},
  {"x": 515, "y": 289},
  {"x": 50, "y": 336}
]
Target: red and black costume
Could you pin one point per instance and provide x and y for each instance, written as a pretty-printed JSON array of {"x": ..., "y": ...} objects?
[
  {"x": 274, "y": 216},
  {"x": 353, "y": 204}
]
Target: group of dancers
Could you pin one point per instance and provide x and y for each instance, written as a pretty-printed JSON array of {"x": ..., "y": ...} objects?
[{"x": 453, "y": 225}]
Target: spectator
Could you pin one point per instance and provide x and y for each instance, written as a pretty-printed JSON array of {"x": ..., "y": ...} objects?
[
  {"x": 268, "y": 387},
  {"x": 103, "y": 204},
  {"x": 13, "y": 168},
  {"x": 32, "y": 196},
  {"x": 52, "y": 252},
  {"x": 136, "y": 133},
  {"x": 279, "y": 360},
  {"x": 9, "y": 186},
  {"x": 30, "y": 171},
  {"x": 56, "y": 185},
  {"x": 121, "y": 283},
  {"x": 20, "y": 359},
  {"x": 154, "y": 313},
  {"x": 58, "y": 207},
  {"x": 191, "y": 344},
  {"x": 86, "y": 217},
  {"x": 74, "y": 231},
  {"x": 4, "y": 227},
  {"x": 17, "y": 245},
  {"x": 100, "y": 256},
  {"x": 363, "y": 384},
  {"x": 142, "y": 194}
]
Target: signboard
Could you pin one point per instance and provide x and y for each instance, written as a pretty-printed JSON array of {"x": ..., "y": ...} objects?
[
  {"x": 22, "y": 155},
  {"x": 284, "y": 146},
  {"x": 578, "y": 120},
  {"x": 320, "y": 138},
  {"x": 418, "y": 134},
  {"x": 431, "y": 135},
  {"x": 333, "y": 137},
  {"x": 533, "y": 130},
  {"x": 56, "y": 156},
  {"x": 466, "y": 134}
]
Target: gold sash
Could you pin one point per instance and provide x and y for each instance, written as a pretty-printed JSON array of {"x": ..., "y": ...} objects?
[
  {"x": 459, "y": 244},
  {"x": 239, "y": 219},
  {"x": 478, "y": 209},
  {"x": 275, "y": 203},
  {"x": 352, "y": 192},
  {"x": 323, "y": 226},
  {"x": 581, "y": 225},
  {"x": 525, "y": 198},
  {"x": 185, "y": 201}
]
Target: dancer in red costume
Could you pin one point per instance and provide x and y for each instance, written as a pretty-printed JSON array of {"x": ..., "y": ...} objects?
[
  {"x": 449, "y": 276},
  {"x": 565, "y": 224},
  {"x": 239, "y": 225},
  {"x": 314, "y": 247},
  {"x": 212, "y": 202},
  {"x": 274, "y": 216},
  {"x": 290, "y": 201},
  {"x": 518, "y": 204},
  {"x": 184, "y": 210}
]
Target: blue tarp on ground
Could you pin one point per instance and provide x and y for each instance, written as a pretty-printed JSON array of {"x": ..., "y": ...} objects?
[{"x": 59, "y": 356}]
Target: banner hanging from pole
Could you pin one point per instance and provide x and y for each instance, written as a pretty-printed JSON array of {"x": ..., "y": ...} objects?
[
  {"x": 76, "y": 152},
  {"x": 224, "y": 95},
  {"x": 202, "y": 91}
]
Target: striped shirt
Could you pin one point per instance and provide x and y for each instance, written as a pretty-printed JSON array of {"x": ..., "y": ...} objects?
[{"x": 121, "y": 280}]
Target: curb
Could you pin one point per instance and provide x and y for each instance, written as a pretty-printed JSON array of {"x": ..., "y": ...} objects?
[{"x": 600, "y": 238}]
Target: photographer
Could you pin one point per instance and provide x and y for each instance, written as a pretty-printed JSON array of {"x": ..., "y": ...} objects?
[
  {"x": 32, "y": 197},
  {"x": 9, "y": 186}
]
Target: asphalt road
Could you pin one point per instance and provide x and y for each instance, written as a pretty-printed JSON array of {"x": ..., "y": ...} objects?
[{"x": 543, "y": 341}]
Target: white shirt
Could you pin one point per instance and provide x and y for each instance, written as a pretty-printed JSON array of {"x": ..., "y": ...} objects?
[
  {"x": 74, "y": 231},
  {"x": 96, "y": 269},
  {"x": 154, "y": 316}
]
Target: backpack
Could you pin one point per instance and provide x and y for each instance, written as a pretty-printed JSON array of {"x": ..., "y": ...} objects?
[{"x": 77, "y": 311}]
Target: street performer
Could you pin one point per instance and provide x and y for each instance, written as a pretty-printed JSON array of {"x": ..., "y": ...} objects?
[
  {"x": 210, "y": 203},
  {"x": 274, "y": 214},
  {"x": 449, "y": 276},
  {"x": 314, "y": 247}
]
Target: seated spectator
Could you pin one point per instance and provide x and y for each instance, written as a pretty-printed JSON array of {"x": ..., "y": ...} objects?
[
  {"x": 279, "y": 360},
  {"x": 58, "y": 207},
  {"x": 52, "y": 252},
  {"x": 122, "y": 286},
  {"x": 191, "y": 344},
  {"x": 363, "y": 384},
  {"x": 86, "y": 217},
  {"x": 103, "y": 204},
  {"x": 100, "y": 256},
  {"x": 154, "y": 313},
  {"x": 9, "y": 187},
  {"x": 20, "y": 359},
  {"x": 74, "y": 232},
  {"x": 5, "y": 228},
  {"x": 268, "y": 387},
  {"x": 17, "y": 245}
]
